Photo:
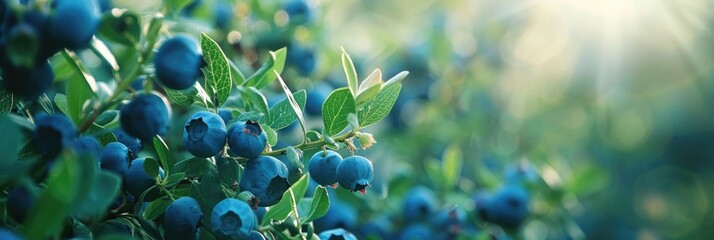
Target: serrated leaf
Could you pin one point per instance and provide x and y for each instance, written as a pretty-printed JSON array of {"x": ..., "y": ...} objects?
[
  {"x": 319, "y": 206},
  {"x": 195, "y": 167},
  {"x": 80, "y": 88},
  {"x": 451, "y": 166},
  {"x": 157, "y": 207},
  {"x": 350, "y": 73},
  {"x": 258, "y": 101},
  {"x": 6, "y": 100},
  {"x": 282, "y": 113},
  {"x": 335, "y": 109},
  {"x": 61, "y": 102},
  {"x": 184, "y": 97},
  {"x": 264, "y": 75},
  {"x": 217, "y": 73},
  {"x": 375, "y": 110},
  {"x": 162, "y": 150},
  {"x": 293, "y": 103},
  {"x": 271, "y": 134},
  {"x": 151, "y": 167},
  {"x": 288, "y": 204}
]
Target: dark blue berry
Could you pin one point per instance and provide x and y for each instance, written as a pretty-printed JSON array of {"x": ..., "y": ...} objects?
[
  {"x": 247, "y": 139},
  {"x": 52, "y": 133},
  {"x": 267, "y": 178},
  {"x": 339, "y": 215},
  {"x": 134, "y": 144},
  {"x": 19, "y": 202},
  {"x": 323, "y": 167},
  {"x": 204, "y": 134},
  {"x": 115, "y": 157},
  {"x": 419, "y": 203},
  {"x": 302, "y": 59},
  {"x": 315, "y": 97},
  {"x": 232, "y": 219},
  {"x": 178, "y": 62},
  {"x": 145, "y": 116},
  {"x": 182, "y": 218},
  {"x": 28, "y": 83},
  {"x": 88, "y": 145},
  {"x": 355, "y": 173},
  {"x": 73, "y": 23},
  {"x": 337, "y": 234},
  {"x": 7, "y": 234},
  {"x": 416, "y": 232},
  {"x": 225, "y": 114},
  {"x": 137, "y": 180},
  {"x": 507, "y": 207},
  {"x": 298, "y": 11},
  {"x": 255, "y": 235}
]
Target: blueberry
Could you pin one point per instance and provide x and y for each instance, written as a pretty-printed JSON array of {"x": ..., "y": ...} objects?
[
  {"x": 134, "y": 144},
  {"x": 52, "y": 133},
  {"x": 416, "y": 232},
  {"x": 507, "y": 207},
  {"x": 145, "y": 116},
  {"x": 255, "y": 235},
  {"x": 355, "y": 173},
  {"x": 138, "y": 84},
  {"x": 88, "y": 145},
  {"x": 323, "y": 167},
  {"x": 267, "y": 178},
  {"x": 204, "y": 134},
  {"x": 19, "y": 202},
  {"x": 8, "y": 234},
  {"x": 105, "y": 5},
  {"x": 115, "y": 158},
  {"x": 419, "y": 203},
  {"x": 301, "y": 58},
  {"x": 225, "y": 114},
  {"x": 315, "y": 97},
  {"x": 223, "y": 13},
  {"x": 178, "y": 62},
  {"x": 259, "y": 213},
  {"x": 182, "y": 218},
  {"x": 247, "y": 139},
  {"x": 232, "y": 219},
  {"x": 337, "y": 234},
  {"x": 339, "y": 215},
  {"x": 298, "y": 11},
  {"x": 137, "y": 180},
  {"x": 451, "y": 222},
  {"x": 28, "y": 83},
  {"x": 73, "y": 23}
]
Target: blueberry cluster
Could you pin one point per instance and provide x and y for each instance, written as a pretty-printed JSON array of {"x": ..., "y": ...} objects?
[
  {"x": 30, "y": 34},
  {"x": 354, "y": 173}
]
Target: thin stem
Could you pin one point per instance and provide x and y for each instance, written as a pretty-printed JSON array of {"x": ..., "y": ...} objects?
[{"x": 312, "y": 145}]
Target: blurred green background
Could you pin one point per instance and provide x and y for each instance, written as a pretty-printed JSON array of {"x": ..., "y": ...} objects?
[{"x": 609, "y": 101}]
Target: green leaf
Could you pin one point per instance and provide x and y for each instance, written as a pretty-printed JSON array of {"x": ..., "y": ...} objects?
[
  {"x": 122, "y": 26},
  {"x": 184, "y": 97},
  {"x": 176, "y": 5},
  {"x": 217, "y": 73},
  {"x": 228, "y": 171},
  {"x": 251, "y": 115},
  {"x": 102, "y": 51},
  {"x": 46, "y": 103},
  {"x": 208, "y": 193},
  {"x": 80, "y": 88},
  {"x": 194, "y": 167},
  {"x": 313, "y": 136},
  {"x": 6, "y": 100},
  {"x": 165, "y": 156},
  {"x": 369, "y": 88},
  {"x": 335, "y": 109},
  {"x": 271, "y": 134},
  {"x": 151, "y": 167},
  {"x": 451, "y": 166},
  {"x": 287, "y": 204},
  {"x": 61, "y": 102},
  {"x": 295, "y": 157},
  {"x": 173, "y": 179},
  {"x": 396, "y": 79},
  {"x": 157, "y": 207},
  {"x": 264, "y": 75},
  {"x": 319, "y": 206},
  {"x": 10, "y": 142},
  {"x": 258, "y": 100},
  {"x": 237, "y": 74},
  {"x": 103, "y": 192},
  {"x": 375, "y": 110},
  {"x": 350, "y": 72},
  {"x": 107, "y": 117},
  {"x": 282, "y": 113},
  {"x": 293, "y": 103}
]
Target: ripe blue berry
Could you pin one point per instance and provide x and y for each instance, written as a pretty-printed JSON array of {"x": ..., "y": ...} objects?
[
  {"x": 52, "y": 133},
  {"x": 145, "y": 116},
  {"x": 88, "y": 145},
  {"x": 301, "y": 58},
  {"x": 28, "y": 83},
  {"x": 247, "y": 139},
  {"x": 182, "y": 218},
  {"x": 323, "y": 167},
  {"x": 225, "y": 114},
  {"x": 232, "y": 219},
  {"x": 178, "y": 62},
  {"x": 137, "y": 180},
  {"x": 337, "y": 234},
  {"x": 134, "y": 144},
  {"x": 224, "y": 14},
  {"x": 73, "y": 23},
  {"x": 115, "y": 157},
  {"x": 267, "y": 178},
  {"x": 339, "y": 215},
  {"x": 204, "y": 134},
  {"x": 355, "y": 173},
  {"x": 315, "y": 97},
  {"x": 507, "y": 207},
  {"x": 19, "y": 203},
  {"x": 7, "y": 234},
  {"x": 419, "y": 203},
  {"x": 298, "y": 11},
  {"x": 416, "y": 232}
]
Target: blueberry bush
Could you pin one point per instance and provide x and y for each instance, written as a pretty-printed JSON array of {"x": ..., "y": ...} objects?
[{"x": 310, "y": 119}]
